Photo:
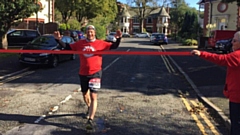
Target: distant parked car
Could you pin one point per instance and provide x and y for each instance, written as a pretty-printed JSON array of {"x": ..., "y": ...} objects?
[
  {"x": 45, "y": 42},
  {"x": 80, "y": 34},
  {"x": 126, "y": 35},
  {"x": 111, "y": 37},
  {"x": 224, "y": 45},
  {"x": 153, "y": 36},
  {"x": 74, "y": 35},
  {"x": 160, "y": 39},
  {"x": 142, "y": 35},
  {"x": 20, "y": 37}
]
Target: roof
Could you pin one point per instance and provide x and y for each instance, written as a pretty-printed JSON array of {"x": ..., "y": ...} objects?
[
  {"x": 125, "y": 12},
  {"x": 159, "y": 12}
]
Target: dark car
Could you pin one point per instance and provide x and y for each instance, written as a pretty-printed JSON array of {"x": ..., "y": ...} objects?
[
  {"x": 224, "y": 45},
  {"x": 126, "y": 35},
  {"x": 20, "y": 37},
  {"x": 45, "y": 42},
  {"x": 80, "y": 34},
  {"x": 74, "y": 35},
  {"x": 160, "y": 39}
]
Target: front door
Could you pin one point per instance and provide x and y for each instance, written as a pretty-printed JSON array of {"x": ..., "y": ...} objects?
[{"x": 221, "y": 26}]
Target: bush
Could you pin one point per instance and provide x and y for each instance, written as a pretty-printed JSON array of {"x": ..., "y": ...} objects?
[
  {"x": 100, "y": 31},
  {"x": 190, "y": 42}
]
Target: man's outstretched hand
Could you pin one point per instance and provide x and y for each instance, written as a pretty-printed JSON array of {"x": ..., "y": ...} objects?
[
  {"x": 118, "y": 34},
  {"x": 57, "y": 35}
]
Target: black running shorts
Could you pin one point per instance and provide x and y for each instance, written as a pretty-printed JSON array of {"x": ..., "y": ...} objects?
[{"x": 91, "y": 82}]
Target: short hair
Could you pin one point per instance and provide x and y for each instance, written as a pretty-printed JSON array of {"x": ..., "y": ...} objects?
[
  {"x": 237, "y": 34},
  {"x": 90, "y": 27}
]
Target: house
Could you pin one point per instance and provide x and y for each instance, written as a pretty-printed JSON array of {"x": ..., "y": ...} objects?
[
  {"x": 220, "y": 16},
  {"x": 156, "y": 21},
  {"x": 39, "y": 19}
]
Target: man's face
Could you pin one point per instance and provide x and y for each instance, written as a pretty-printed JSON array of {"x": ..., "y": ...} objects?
[
  {"x": 91, "y": 34},
  {"x": 235, "y": 43}
]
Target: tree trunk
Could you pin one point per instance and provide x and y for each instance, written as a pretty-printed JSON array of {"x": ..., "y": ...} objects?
[{"x": 3, "y": 42}]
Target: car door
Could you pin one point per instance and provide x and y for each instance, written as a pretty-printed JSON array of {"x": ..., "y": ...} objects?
[
  {"x": 14, "y": 38},
  {"x": 29, "y": 35}
]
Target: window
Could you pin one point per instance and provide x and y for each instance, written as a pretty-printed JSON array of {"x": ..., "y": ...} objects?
[
  {"x": 135, "y": 20},
  {"x": 67, "y": 39},
  {"x": 149, "y": 29},
  {"x": 149, "y": 20},
  {"x": 16, "y": 33},
  {"x": 44, "y": 41},
  {"x": 31, "y": 33},
  {"x": 136, "y": 30}
]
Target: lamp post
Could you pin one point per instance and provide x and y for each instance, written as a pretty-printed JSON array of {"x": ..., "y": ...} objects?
[
  {"x": 36, "y": 12},
  {"x": 176, "y": 27}
]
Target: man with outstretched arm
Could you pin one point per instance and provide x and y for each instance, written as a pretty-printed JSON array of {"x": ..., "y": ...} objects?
[
  {"x": 90, "y": 71},
  {"x": 232, "y": 84}
]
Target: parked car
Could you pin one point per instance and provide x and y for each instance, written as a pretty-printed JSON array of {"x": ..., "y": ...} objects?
[
  {"x": 142, "y": 35},
  {"x": 224, "y": 45},
  {"x": 126, "y": 34},
  {"x": 111, "y": 37},
  {"x": 153, "y": 36},
  {"x": 80, "y": 34},
  {"x": 45, "y": 42},
  {"x": 20, "y": 37},
  {"x": 160, "y": 39},
  {"x": 216, "y": 35},
  {"x": 74, "y": 35}
]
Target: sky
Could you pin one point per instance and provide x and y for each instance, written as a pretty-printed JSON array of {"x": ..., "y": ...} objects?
[{"x": 192, "y": 3}]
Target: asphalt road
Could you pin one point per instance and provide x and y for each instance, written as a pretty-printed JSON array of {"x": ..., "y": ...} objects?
[{"x": 140, "y": 95}]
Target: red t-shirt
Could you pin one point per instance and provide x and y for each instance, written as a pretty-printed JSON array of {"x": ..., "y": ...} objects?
[{"x": 90, "y": 63}]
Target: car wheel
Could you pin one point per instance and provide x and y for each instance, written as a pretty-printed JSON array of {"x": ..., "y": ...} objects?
[
  {"x": 73, "y": 57},
  {"x": 54, "y": 61}
]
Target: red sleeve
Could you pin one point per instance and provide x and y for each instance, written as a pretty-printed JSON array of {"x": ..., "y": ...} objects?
[
  {"x": 230, "y": 60},
  {"x": 75, "y": 45},
  {"x": 106, "y": 45}
]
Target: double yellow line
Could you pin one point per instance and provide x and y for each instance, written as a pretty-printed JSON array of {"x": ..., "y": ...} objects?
[{"x": 188, "y": 106}]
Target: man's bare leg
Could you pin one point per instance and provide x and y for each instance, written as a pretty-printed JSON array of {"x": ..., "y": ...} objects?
[
  {"x": 93, "y": 105},
  {"x": 87, "y": 100}
]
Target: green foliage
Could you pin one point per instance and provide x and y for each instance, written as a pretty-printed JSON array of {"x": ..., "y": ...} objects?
[
  {"x": 104, "y": 10},
  {"x": 66, "y": 8},
  {"x": 100, "y": 31},
  {"x": 190, "y": 42},
  {"x": 64, "y": 26},
  {"x": 190, "y": 25},
  {"x": 74, "y": 24},
  {"x": 12, "y": 11}
]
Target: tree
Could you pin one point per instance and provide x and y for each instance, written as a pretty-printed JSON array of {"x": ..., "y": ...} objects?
[
  {"x": 231, "y": 1},
  {"x": 12, "y": 11},
  {"x": 66, "y": 8},
  {"x": 106, "y": 10},
  {"x": 143, "y": 8}
]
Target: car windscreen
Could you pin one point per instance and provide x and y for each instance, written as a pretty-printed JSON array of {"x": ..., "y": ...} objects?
[
  {"x": 160, "y": 36},
  {"x": 112, "y": 33},
  {"x": 44, "y": 41},
  {"x": 67, "y": 39}
]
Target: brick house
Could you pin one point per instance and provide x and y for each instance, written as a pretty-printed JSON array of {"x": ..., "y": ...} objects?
[
  {"x": 42, "y": 20},
  {"x": 157, "y": 21},
  {"x": 220, "y": 16}
]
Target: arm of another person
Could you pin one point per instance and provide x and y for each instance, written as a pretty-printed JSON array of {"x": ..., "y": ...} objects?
[
  {"x": 57, "y": 37},
  {"x": 230, "y": 60}
]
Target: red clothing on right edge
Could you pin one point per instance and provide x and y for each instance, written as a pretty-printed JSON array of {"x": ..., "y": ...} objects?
[{"x": 232, "y": 62}]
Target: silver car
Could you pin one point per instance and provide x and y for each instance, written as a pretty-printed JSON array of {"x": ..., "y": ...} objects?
[
  {"x": 142, "y": 35},
  {"x": 111, "y": 37}
]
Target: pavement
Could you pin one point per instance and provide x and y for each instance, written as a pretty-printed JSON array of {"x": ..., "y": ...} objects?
[{"x": 209, "y": 93}]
